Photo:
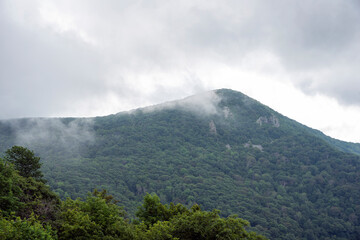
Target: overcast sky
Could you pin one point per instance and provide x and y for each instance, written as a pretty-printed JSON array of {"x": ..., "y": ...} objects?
[{"x": 90, "y": 58}]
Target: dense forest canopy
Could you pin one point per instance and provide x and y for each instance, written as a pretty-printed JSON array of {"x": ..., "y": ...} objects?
[
  {"x": 30, "y": 210},
  {"x": 219, "y": 150}
]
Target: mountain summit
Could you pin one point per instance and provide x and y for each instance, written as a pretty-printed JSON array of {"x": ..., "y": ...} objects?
[{"x": 220, "y": 149}]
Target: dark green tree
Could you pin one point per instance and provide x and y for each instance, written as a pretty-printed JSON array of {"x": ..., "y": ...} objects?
[
  {"x": 25, "y": 196},
  {"x": 9, "y": 189},
  {"x": 198, "y": 224},
  {"x": 30, "y": 229},
  {"x": 153, "y": 210},
  {"x": 94, "y": 218},
  {"x": 25, "y": 162},
  {"x": 177, "y": 222}
]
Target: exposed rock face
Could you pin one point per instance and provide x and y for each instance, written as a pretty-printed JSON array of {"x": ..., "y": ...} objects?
[
  {"x": 262, "y": 120},
  {"x": 268, "y": 120},
  {"x": 212, "y": 127},
  {"x": 227, "y": 112},
  {"x": 259, "y": 147}
]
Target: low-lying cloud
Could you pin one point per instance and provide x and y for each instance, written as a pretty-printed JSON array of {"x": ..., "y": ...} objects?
[
  {"x": 53, "y": 133},
  {"x": 204, "y": 104}
]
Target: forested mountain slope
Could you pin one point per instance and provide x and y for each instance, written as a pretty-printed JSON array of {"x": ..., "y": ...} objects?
[{"x": 219, "y": 149}]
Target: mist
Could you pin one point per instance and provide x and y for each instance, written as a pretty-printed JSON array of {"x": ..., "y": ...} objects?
[
  {"x": 44, "y": 135},
  {"x": 203, "y": 104}
]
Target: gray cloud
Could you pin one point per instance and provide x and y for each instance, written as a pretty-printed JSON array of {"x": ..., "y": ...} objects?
[
  {"x": 66, "y": 57},
  {"x": 42, "y": 73}
]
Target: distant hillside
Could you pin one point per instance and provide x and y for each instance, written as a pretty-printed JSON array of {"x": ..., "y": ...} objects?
[{"x": 220, "y": 149}]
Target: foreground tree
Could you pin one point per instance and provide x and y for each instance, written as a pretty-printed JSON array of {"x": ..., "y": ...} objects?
[
  {"x": 23, "y": 191},
  {"x": 24, "y": 161},
  {"x": 30, "y": 229},
  {"x": 30, "y": 210},
  {"x": 95, "y": 218},
  {"x": 153, "y": 211},
  {"x": 9, "y": 189},
  {"x": 178, "y": 222}
]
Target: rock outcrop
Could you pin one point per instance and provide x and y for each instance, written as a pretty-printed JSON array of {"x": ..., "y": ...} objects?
[{"x": 268, "y": 120}]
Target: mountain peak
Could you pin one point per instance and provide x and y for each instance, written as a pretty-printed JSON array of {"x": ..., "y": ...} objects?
[{"x": 219, "y": 149}]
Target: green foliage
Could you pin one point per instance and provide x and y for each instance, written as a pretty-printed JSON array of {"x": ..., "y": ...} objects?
[
  {"x": 27, "y": 206},
  {"x": 159, "y": 231},
  {"x": 33, "y": 212},
  {"x": 103, "y": 195},
  {"x": 25, "y": 162},
  {"x": 29, "y": 229},
  {"x": 289, "y": 182},
  {"x": 166, "y": 222},
  {"x": 37, "y": 198},
  {"x": 24, "y": 196},
  {"x": 197, "y": 224},
  {"x": 94, "y": 218},
  {"x": 9, "y": 189},
  {"x": 153, "y": 211}
]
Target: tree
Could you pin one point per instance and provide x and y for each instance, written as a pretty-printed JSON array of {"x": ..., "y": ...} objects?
[
  {"x": 153, "y": 210},
  {"x": 31, "y": 228},
  {"x": 95, "y": 218},
  {"x": 204, "y": 225},
  {"x": 25, "y": 162},
  {"x": 177, "y": 222},
  {"x": 9, "y": 189},
  {"x": 24, "y": 196}
]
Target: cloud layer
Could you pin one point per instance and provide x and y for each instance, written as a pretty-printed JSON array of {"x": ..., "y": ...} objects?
[{"x": 87, "y": 58}]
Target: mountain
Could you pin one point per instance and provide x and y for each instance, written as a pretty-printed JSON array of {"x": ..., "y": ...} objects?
[{"x": 220, "y": 149}]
